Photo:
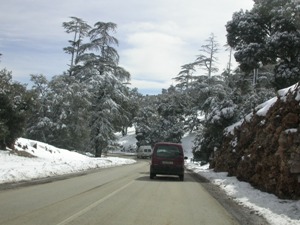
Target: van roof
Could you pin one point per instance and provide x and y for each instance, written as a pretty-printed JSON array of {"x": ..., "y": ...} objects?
[
  {"x": 145, "y": 146},
  {"x": 168, "y": 143}
]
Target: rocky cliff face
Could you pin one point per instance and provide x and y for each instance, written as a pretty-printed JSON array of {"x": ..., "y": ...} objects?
[{"x": 264, "y": 148}]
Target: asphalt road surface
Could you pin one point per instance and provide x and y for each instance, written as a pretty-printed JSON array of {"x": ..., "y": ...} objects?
[{"x": 117, "y": 196}]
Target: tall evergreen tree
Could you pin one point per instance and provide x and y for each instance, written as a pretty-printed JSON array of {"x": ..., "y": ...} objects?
[
  {"x": 208, "y": 59},
  {"x": 80, "y": 29},
  {"x": 106, "y": 79},
  {"x": 97, "y": 67},
  {"x": 185, "y": 76},
  {"x": 83, "y": 111}
]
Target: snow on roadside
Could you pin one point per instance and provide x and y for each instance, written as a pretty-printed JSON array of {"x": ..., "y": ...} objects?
[
  {"x": 48, "y": 161},
  {"x": 276, "y": 211}
]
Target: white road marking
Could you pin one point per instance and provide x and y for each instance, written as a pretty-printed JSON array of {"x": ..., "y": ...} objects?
[{"x": 81, "y": 212}]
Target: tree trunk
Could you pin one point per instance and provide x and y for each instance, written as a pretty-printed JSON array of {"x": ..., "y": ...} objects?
[{"x": 98, "y": 149}]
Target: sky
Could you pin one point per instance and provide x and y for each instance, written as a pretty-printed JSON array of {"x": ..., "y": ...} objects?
[
  {"x": 155, "y": 37},
  {"x": 52, "y": 161}
]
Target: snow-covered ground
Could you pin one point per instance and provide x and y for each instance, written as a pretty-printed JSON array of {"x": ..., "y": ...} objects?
[
  {"x": 48, "y": 161},
  {"x": 51, "y": 161}
]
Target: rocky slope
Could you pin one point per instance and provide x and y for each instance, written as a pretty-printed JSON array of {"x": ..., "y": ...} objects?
[{"x": 264, "y": 148}]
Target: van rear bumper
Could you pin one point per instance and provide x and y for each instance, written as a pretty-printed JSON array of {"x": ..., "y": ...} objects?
[{"x": 166, "y": 170}]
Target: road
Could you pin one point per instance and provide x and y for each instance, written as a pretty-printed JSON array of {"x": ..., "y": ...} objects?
[{"x": 117, "y": 196}]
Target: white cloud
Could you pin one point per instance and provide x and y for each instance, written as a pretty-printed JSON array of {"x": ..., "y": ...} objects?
[
  {"x": 156, "y": 37},
  {"x": 153, "y": 55},
  {"x": 150, "y": 86}
]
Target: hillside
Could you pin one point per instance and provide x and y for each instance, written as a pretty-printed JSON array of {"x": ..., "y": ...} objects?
[{"x": 264, "y": 148}]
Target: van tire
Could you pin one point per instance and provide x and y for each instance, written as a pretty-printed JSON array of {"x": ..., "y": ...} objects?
[{"x": 152, "y": 175}]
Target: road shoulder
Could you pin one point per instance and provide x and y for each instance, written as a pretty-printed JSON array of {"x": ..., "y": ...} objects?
[{"x": 243, "y": 215}]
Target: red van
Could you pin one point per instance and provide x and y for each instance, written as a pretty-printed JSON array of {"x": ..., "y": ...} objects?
[{"x": 167, "y": 159}]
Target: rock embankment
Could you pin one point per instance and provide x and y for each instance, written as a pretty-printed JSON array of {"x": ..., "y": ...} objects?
[{"x": 264, "y": 148}]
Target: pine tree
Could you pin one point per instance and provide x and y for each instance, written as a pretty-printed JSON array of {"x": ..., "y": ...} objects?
[
  {"x": 80, "y": 29},
  {"x": 208, "y": 59},
  {"x": 96, "y": 66}
]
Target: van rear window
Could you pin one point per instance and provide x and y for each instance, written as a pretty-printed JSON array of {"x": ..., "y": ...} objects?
[{"x": 167, "y": 151}]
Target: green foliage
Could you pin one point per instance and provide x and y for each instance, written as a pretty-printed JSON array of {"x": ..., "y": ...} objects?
[
  {"x": 160, "y": 118},
  {"x": 15, "y": 102},
  {"x": 224, "y": 100},
  {"x": 130, "y": 108},
  {"x": 268, "y": 34}
]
